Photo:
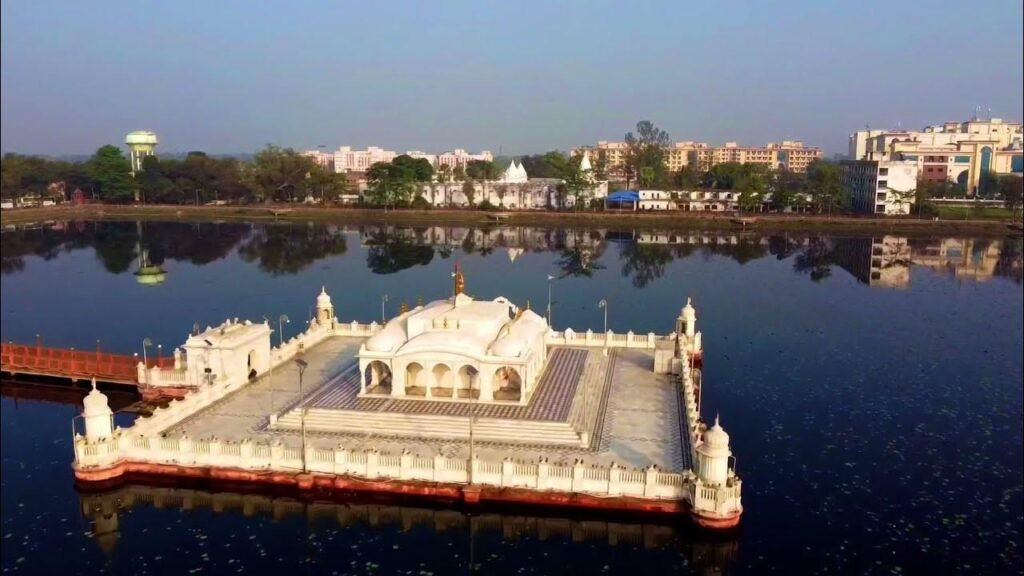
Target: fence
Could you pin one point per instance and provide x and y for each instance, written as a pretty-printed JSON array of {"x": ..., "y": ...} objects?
[
  {"x": 372, "y": 464},
  {"x": 37, "y": 359},
  {"x": 609, "y": 339}
]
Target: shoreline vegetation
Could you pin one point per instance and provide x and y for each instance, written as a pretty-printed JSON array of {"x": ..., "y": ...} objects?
[{"x": 413, "y": 217}]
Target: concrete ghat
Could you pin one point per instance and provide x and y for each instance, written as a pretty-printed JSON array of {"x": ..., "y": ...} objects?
[{"x": 697, "y": 481}]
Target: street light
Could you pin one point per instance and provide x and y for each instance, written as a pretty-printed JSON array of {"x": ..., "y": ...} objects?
[
  {"x": 383, "y": 299},
  {"x": 302, "y": 364},
  {"x": 146, "y": 342},
  {"x": 281, "y": 321},
  {"x": 604, "y": 304},
  {"x": 550, "y": 278}
]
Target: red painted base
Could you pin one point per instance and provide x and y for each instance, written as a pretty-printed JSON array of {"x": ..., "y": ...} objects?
[
  {"x": 720, "y": 523},
  {"x": 106, "y": 477}
]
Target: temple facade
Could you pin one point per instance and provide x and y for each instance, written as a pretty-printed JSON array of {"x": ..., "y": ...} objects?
[{"x": 457, "y": 349}]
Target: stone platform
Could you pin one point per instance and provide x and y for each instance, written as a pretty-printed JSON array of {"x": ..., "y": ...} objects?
[{"x": 555, "y": 415}]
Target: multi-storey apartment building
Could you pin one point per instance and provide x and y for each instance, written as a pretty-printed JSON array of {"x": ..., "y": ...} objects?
[
  {"x": 880, "y": 186},
  {"x": 961, "y": 152},
  {"x": 788, "y": 154},
  {"x": 345, "y": 159}
]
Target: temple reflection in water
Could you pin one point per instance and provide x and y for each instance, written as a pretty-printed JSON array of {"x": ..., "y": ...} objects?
[
  {"x": 291, "y": 247},
  {"x": 703, "y": 553}
]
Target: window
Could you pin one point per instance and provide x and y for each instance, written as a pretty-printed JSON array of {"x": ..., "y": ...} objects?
[
  {"x": 880, "y": 197},
  {"x": 883, "y": 183},
  {"x": 883, "y": 171},
  {"x": 879, "y": 208}
]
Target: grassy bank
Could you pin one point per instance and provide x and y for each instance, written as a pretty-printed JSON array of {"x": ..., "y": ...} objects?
[{"x": 663, "y": 221}]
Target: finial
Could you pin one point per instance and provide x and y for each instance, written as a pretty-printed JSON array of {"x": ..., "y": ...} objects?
[
  {"x": 323, "y": 289},
  {"x": 93, "y": 382},
  {"x": 688, "y": 301},
  {"x": 404, "y": 308},
  {"x": 460, "y": 279},
  {"x": 419, "y": 300},
  {"x": 716, "y": 420},
  {"x": 528, "y": 305}
]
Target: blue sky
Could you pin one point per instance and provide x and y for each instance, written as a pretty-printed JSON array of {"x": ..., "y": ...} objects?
[{"x": 518, "y": 77}]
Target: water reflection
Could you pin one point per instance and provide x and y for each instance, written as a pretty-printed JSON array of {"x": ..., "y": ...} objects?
[
  {"x": 472, "y": 542},
  {"x": 644, "y": 256}
]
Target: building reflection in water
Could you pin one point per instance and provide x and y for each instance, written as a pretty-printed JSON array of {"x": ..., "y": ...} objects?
[
  {"x": 705, "y": 554},
  {"x": 643, "y": 255}
]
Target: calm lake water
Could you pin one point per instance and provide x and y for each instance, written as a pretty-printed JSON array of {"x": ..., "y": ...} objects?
[{"x": 871, "y": 386}]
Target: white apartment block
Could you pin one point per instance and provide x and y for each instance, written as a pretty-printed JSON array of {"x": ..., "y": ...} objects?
[
  {"x": 880, "y": 186},
  {"x": 348, "y": 160}
]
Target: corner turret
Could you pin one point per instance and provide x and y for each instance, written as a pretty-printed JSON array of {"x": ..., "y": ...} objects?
[
  {"x": 324, "y": 308},
  {"x": 97, "y": 414}
]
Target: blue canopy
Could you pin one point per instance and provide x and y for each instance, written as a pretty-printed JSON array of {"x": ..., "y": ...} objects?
[{"x": 624, "y": 196}]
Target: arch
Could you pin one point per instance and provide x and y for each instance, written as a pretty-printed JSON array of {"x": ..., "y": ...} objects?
[
  {"x": 415, "y": 379},
  {"x": 508, "y": 384},
  {"x": 986, "y": 159},
  {"x": 443, "y": 381},
  {"x": 250, "y": 363},
  {"x": 467, "y": 382},
  {"x": 377, "y": 378}
]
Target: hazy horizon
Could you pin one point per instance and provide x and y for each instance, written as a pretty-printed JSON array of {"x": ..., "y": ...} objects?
[{"x": 228, "y": 78}]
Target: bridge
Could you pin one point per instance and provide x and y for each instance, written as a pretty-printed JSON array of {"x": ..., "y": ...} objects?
[{"x": 37, "y": 360}]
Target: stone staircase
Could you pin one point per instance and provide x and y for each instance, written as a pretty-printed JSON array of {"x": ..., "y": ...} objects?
[{"x": 433, "y": 426}]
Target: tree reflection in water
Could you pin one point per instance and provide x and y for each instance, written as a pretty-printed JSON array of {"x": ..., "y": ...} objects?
[{"x": 290, "y": 248}]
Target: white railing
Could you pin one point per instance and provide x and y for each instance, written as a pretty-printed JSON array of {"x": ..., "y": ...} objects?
[
  {"x": 608, "y": 339},
  {"x": 248, "y": 455}
]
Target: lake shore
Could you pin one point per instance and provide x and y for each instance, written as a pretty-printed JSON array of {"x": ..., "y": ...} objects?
[{"x": 661, "y": 221}]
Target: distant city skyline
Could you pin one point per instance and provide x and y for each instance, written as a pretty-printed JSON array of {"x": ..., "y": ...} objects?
[{"x": 231, "y": 77}]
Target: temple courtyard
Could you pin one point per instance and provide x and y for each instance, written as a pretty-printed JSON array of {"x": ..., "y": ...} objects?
[{"x": 586, "y": 404}]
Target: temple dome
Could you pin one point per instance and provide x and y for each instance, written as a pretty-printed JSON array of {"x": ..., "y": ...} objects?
[
  {"x": 95, "y": 402},
  {"x": 323, "y": 300},
  {"x": 716, "y": 436},
  {"x": 389, "y": 339}
]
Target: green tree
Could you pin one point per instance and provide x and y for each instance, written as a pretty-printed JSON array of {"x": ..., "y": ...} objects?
[
  {"x": 645, "y": 155},
  {"x": 688, "y": 177},
  {"x": 444, "y": 174},
  {"x": 785, "y": 188},
  {"x": 326, "y": 184},
  {"x": 419, "y": 169},
  {"x": 112, "y": 173},
  {"x": 279, "y": 173},
  {"x": 825, "y": 185},
  {"x": 390, "y": 185},
  {"x": 459, "y": 173},
  {"x": 469, "y": 191},
  {"x": 1011, "y": 190}
]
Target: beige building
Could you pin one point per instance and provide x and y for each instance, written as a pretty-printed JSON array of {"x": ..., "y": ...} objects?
[
  {"x": 960, "y": 152},
  {"x": 788, "y": 154}
]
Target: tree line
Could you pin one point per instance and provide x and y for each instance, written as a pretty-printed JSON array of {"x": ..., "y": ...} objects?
[{"x": 274, "y": 174}]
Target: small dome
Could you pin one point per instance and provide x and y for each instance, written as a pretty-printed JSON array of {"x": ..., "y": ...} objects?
[
  {"x": 716, "y": 437},
  {"x": 387, "y": 340},
  {"x": 323, "y": 300},
  {"x": 507, "y": 346},
  {"x": 688, "y": 309},
  {"x": 95, "y": 402}
]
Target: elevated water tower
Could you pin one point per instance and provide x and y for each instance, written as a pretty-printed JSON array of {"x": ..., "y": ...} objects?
[{"x": 141, "y": 143}]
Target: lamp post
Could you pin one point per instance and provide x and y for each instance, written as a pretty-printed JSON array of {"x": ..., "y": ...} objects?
[
  {"x": 550, "y": 278},
  {"x": 604, "y": 304},
  {"x": 146, "y": 342},
  {"x": 281, "y": 321},
  {"x": 302, "y": 364},
  {"x": 383, "y": 299}
]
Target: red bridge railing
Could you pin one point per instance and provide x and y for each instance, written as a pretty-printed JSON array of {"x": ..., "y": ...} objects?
[{"x": 35, "y": 359}]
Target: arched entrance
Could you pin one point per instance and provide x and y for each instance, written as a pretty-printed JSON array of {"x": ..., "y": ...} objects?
[
  {"x": 467, "y": 382},
  {"x": 377, "y": 378},
  {"x": 508, "y": 385},
  {"x": 443, "y": 383},
  {"x": 251, "y": 365},
  {"x": 415, "y": 380}
]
